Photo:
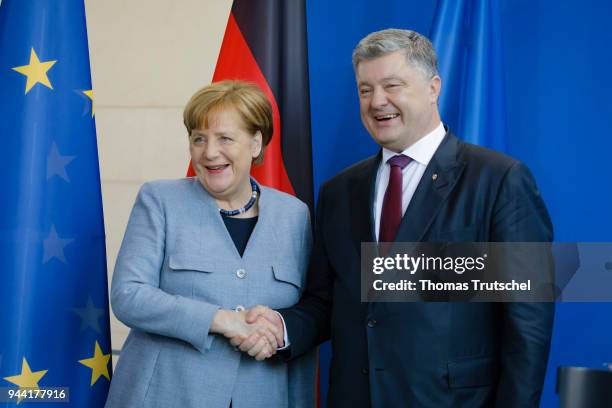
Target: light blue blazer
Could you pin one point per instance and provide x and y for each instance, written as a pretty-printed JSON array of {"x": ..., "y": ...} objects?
[{"x": 177, "y": 266}]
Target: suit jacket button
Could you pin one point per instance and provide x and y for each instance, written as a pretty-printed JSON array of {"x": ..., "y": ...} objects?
[
  {"x": 365, "y": 371},
  {"x": 241, "y": 273},
  {"x": 371, "y": 323}
]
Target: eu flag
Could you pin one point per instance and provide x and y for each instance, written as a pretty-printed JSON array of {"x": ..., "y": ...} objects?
[{"x": 54, "y": 320}]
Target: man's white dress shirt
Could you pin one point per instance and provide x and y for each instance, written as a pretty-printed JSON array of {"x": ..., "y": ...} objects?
[{"x": 421, "y": 153}]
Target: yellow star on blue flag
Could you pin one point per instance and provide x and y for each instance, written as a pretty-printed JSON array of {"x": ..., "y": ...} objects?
[
  {"x": 98, "y": 364},
  {"x": 36, "y": 71},
  {"x": 89, "y": 94},
  {"x": 53, "y": 246},
  {"x": 27, "y": 379}
]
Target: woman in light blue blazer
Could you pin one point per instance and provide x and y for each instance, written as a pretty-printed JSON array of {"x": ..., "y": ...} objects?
[{"x": 199, "y": 251}]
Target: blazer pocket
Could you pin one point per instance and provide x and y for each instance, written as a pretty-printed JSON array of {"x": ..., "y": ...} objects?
[
  {"x": 285, "y": 273},
  {"x": 472, "y": 372},
  {"x": 188, "y": 262}
]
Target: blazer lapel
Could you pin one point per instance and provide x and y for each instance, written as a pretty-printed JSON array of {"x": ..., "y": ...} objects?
[
  {"x": 223, "y": 246},
  {"x": 264, "y": 235},
  {"x": 361, "y": 195},
  {"x": 438, "y": 181}
]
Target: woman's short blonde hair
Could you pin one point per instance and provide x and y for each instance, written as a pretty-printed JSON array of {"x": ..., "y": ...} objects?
[{"x": 247, "y": 99}]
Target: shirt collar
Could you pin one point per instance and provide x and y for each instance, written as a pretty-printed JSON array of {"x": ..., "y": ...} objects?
[{"x": 423, "y": 150}]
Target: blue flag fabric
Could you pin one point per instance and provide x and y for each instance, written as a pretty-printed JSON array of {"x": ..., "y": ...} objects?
[
  {"x": 467, "y": 37},
  {"x": 54, "y": 319}
]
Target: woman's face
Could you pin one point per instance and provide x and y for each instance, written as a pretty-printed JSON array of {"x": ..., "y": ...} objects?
[{"x": 222, "y": 154}]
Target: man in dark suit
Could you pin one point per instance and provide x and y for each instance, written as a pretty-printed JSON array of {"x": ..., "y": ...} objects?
[{"x": 424, "y": 185}]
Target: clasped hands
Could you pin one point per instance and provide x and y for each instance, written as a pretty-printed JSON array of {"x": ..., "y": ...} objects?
[{"x": 258, "y": 331}]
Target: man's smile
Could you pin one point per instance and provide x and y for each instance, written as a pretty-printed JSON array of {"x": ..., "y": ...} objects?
[{"x": 386, "y": 116}]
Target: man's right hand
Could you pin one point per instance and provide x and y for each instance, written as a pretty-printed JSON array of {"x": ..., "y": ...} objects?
[
  {"x": 262, "y": 334},
  {"x": 254, "y": 315}
]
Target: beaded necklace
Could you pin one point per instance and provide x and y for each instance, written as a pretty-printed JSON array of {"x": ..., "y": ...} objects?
[{"x": 247, "y": 207}]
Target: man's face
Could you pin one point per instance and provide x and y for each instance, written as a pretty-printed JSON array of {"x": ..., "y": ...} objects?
[{"x": 398, "y": 103}]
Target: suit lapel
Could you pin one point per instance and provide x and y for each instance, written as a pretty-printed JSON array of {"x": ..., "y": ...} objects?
[
  {"x": 438, "y": 181},
  {"x": 361, "y": 195}
]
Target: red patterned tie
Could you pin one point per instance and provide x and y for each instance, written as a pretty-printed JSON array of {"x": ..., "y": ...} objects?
[{"x": 392, "y": 204}]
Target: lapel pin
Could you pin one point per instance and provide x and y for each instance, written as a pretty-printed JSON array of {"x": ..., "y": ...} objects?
[{"x": 435, "y": 176}]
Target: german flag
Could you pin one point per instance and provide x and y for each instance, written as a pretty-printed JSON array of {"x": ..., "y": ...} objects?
[{"x": 265, "y": 43}]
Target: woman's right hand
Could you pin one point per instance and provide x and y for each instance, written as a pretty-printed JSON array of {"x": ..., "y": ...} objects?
[{"x": 233, "y": 325}]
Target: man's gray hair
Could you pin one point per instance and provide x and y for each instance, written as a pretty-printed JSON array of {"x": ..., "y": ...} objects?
[{"x": 417, "y": 48}]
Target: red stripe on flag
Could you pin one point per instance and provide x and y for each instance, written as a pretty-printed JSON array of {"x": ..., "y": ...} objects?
[{"x": 236, "y": 61}]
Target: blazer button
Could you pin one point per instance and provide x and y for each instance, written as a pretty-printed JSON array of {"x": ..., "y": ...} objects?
[
  {"x": 365, "y": 371},
  {"x": 241, "y": 273},
  {"x": 371, "y": 323}
]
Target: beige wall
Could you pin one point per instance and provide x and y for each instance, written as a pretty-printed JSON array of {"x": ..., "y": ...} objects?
[{"x": 147, "y": 58}]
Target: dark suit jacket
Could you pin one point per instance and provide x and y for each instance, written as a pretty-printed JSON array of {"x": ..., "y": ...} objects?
[{"x": 426, "y": 354}]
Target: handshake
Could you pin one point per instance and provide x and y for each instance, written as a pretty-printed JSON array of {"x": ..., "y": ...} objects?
[{"x": 258, "y": 331}]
